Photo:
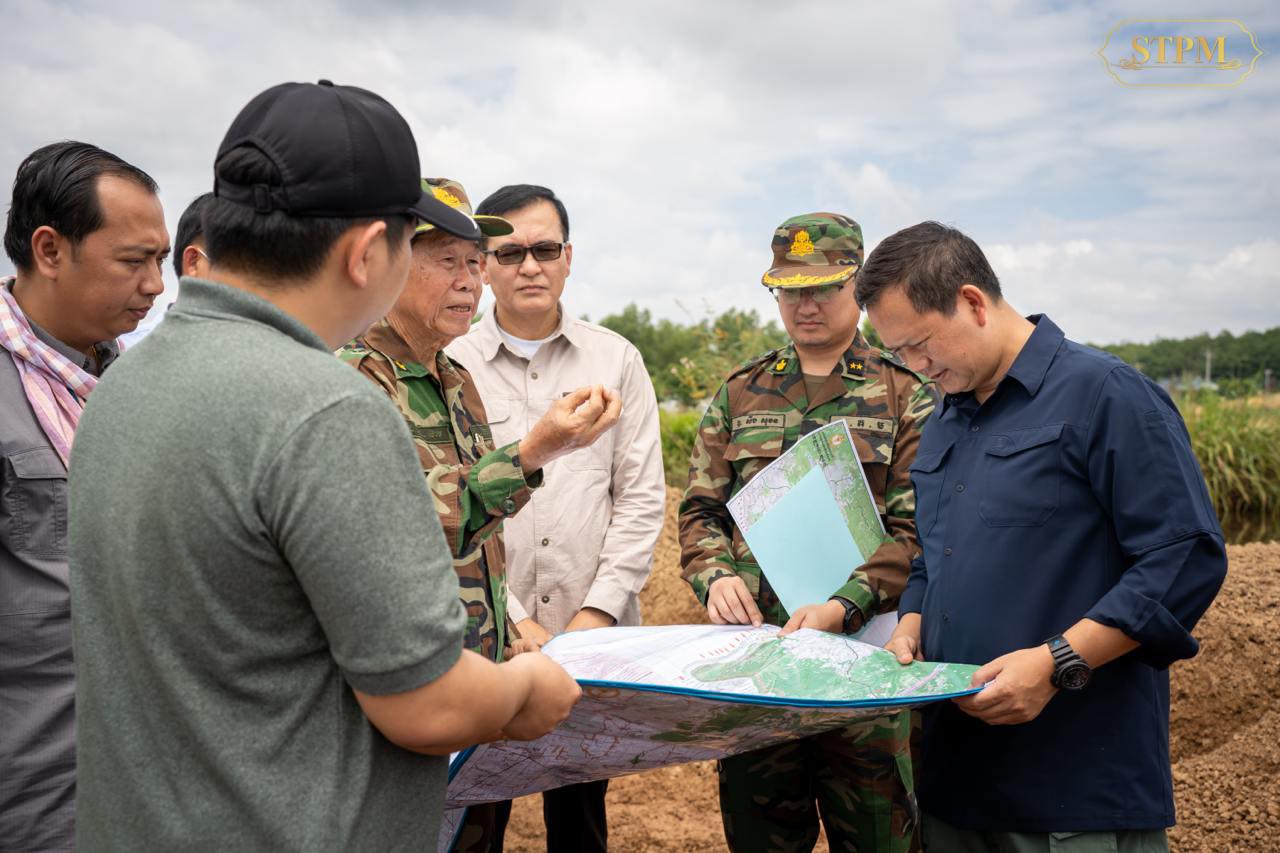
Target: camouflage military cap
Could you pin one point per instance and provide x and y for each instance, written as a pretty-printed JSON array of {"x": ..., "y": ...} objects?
[
  {"x": 451, "y": 193},
  {"x": 813, "y": 249}
]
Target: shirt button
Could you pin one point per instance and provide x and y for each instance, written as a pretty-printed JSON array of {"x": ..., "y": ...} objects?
[
  {"x": 508, "y": 505},
  {"x": 533, "y": 375},
  {"x": 959, "y": 487},
  {"x": 973, "y": 428},
  {"x": 546, "y": 541},
  {"x": 946, "y": 551},
  {"x": 546, "y": 598}
]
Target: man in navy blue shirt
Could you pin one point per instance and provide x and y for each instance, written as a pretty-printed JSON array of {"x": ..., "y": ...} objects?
[{"x": 1069, "y": 547}]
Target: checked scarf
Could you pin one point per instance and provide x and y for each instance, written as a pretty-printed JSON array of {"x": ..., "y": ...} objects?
[{"x": 55, "y": 387}]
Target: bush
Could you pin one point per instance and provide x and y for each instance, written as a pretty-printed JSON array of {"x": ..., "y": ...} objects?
[
  {"x": 688, "y": 362},
  {"x": 678, "y": 430}
]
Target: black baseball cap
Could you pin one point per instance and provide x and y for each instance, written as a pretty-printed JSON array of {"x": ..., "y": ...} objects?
[{"x": 341, "y": 151}]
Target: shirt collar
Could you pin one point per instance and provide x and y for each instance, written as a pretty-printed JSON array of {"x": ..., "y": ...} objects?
[
  {"x": 202, "y": 297},
  {"x": 1030, "y": 365},
  {"x": 383, "y": 339},
  {"x": 489, "y": 338},
  {"x": 853, "y": 363},
  {"x": 106, "y": 351}
]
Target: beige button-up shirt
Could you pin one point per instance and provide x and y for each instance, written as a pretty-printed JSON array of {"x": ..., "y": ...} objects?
[{"x": 586, "y": 538}]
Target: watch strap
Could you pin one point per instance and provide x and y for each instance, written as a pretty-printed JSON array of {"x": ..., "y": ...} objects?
[
  {"x": 1063, "y": 655},
  {"x": 852, "y": 615}
]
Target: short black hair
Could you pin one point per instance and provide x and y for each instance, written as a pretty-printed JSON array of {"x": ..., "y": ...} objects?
[
  {"x": 56, "y": 185},
  {"x": 518, "y": 197},
  {"x": 276, "y": 244},
  {"x": 932, "y": 262},
  {"x": 190, "y": 227}
]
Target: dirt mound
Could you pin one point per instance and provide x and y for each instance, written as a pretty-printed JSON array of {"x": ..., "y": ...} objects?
[{"x": 1225, "y": 730}]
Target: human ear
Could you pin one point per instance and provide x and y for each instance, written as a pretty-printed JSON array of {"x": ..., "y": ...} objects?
[
  {"x": 191, "y": 261},
  {"x": 366, "y": 248},
  {"x": 48, "y": 249},
  {"x": 974, "y": 300}
]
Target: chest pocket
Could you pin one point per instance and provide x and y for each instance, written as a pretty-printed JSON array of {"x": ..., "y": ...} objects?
[
  {"x": 927, "y": 474},
  {"x": 34, "y": 502},
  {"x": 751, "y": 449},
  {"x": 1021, "y": 477}
]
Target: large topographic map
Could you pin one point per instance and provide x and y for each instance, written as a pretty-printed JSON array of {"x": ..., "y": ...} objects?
[{"x": 659, "y": 696}]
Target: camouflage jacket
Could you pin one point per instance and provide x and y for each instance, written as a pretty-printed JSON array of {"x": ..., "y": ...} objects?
[
  {"x": 473, "y": 485},
  {"x": 760, "y": 411}
]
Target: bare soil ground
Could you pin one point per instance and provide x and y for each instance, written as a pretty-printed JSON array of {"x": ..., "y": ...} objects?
[{"x": 1225, "y": 735}]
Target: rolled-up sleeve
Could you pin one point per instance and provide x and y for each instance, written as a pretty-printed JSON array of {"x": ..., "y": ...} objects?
[
  {"x": 1145, "y": 475},
  {"x": 501, "y": 486}
]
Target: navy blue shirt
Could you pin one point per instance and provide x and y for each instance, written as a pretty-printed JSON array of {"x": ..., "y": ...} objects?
[{"x": 1071, "y": 492}]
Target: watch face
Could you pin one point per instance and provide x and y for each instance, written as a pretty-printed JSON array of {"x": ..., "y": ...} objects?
[{"x": 1074, "y": 676}]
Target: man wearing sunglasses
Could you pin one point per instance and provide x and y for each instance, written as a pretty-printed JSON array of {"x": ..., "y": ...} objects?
[
  {"x": 579, "y": 552},
  {"x": 858, "y": 778}
]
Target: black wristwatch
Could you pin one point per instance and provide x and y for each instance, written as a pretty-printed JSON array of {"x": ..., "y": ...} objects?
[
  {"x": 1070, "y": 672},
  {"x": 852, "y": 615}
]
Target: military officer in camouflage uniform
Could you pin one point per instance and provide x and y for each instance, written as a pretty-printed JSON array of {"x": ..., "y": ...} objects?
[
  {"x": 860, "y": 776},
  {"x": 474, "y": 484}
]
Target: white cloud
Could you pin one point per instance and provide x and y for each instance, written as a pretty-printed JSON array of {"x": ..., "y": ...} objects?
[
  {"x": 1117, "y": 291},
  {"x": 680, "y": 136}
]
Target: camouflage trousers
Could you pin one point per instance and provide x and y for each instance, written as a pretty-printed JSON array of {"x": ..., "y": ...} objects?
[{"x": 856, "y": 779}]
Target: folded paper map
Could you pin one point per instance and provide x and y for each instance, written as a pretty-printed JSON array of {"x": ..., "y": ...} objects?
[{"x": 809, "y": 517}]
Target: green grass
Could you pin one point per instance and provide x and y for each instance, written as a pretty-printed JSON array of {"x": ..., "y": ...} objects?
[
  {"x": 1236, "y": 441},
  {"x": 678, "y": 430},
  {"x": 1238, "y": 445}
]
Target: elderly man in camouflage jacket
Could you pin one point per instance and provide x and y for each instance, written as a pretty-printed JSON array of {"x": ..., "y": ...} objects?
[
  {"x": 474, "y": 485},
  {"x": 860, "y": 776}
]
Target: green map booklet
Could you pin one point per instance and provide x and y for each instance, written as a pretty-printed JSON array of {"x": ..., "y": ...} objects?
[
  {"x": 653, "y": 697},
  {"x": 809, "y": 517}
]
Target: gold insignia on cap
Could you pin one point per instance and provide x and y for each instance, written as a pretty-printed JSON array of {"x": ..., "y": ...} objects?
[
  {"x": 445, "y": 196},
  {"x": 801, "y": 245}
]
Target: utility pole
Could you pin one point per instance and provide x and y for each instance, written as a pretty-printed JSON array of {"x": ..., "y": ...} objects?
[
  {"x": 1208, "y": 366},
  {"x": 1266, "y": 381}
]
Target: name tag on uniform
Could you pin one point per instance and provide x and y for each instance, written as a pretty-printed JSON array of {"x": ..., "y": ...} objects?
[
  {"x": 758, "y": 420},
  {"x": 432, "y": 434},
  {"x": 875, "y": 426}
]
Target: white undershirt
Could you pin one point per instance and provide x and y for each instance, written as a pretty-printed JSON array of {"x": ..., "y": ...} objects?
[{"x": 520, "y": 346}]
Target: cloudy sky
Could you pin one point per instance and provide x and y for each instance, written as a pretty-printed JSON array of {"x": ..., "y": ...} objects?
[{"x": 680, "y": 134}]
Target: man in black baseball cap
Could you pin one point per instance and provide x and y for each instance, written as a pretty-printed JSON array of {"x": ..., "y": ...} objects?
[
  {"x": 341, "y": 152},
  {"x": 241, "y": 614}
]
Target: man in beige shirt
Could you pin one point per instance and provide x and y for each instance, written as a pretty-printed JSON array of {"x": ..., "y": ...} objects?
[{"x": 580, "y": 551}]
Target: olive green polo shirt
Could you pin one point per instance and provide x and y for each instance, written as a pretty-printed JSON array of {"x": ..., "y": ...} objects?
[{"x": 233, "y": 578}]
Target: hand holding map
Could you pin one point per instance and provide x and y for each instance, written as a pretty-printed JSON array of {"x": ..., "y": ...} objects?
[{"x": 653, "y": 697}]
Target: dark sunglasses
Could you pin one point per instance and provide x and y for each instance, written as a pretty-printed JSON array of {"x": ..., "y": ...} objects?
[{"x": 512, "y": 254}]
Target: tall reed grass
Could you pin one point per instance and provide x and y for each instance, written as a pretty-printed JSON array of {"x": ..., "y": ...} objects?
[
  {"x": 1236, "y": 441},
  {"x": 1238, "y": 445}
]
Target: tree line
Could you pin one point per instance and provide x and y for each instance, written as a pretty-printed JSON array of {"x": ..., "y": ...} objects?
[{"x": 688, "y": 361}]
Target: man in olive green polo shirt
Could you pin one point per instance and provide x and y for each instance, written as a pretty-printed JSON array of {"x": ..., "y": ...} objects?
[{"x": 263, "y": 650}]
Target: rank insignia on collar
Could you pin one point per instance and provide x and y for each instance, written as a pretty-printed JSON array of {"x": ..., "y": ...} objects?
[
  {"x": 780, "y": 365},
  {"x": 856, "y": 365}
]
